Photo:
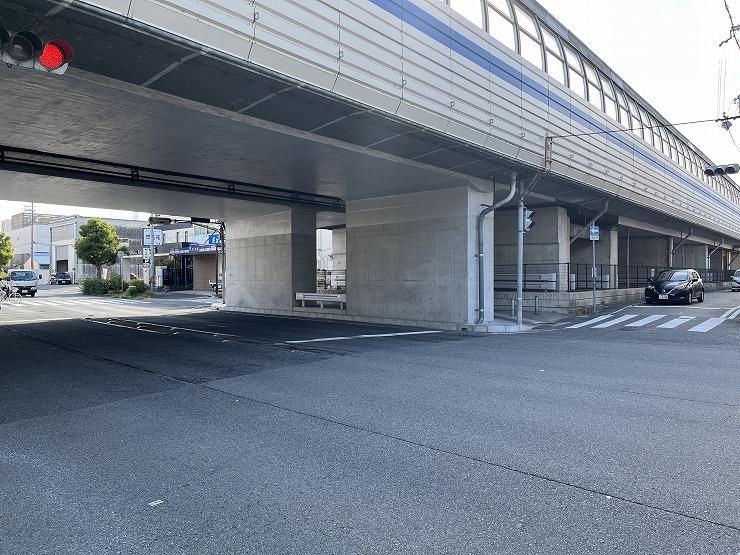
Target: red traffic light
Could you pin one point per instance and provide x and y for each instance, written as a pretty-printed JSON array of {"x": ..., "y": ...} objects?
[{"x": 56, "y": 53}]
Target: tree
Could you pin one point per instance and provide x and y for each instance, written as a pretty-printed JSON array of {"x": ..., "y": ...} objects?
[
  {"x": 98, "y": 244},
  {"x": 6, "y": 250}
]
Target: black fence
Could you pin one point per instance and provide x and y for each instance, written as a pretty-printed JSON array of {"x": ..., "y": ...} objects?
[
  {"x": 331, "y": 281},
  {"x": 178, "y": 279},
  {"x": 582, "y": 277}
]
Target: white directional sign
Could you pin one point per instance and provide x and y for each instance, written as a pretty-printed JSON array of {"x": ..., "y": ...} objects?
[
  {"x": 146, "y": 255},
  {"x": 152, "y": 235},
  {"x": 593, "y": 232}
]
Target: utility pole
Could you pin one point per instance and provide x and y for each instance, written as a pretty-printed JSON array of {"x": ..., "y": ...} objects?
[
  {"x": 32, "y": 249},
  {"x": 520, "y": 258}
]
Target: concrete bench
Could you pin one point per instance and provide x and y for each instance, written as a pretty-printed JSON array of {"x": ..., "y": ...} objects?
[
  {"x": 544, "y": 282},
  {"x": 321, "y": 298}
]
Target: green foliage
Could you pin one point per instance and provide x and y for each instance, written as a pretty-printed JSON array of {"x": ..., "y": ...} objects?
[
  {"x": 98, "y": 244},
  {"x": 100, "y": 286},
  {"x": 94, "y": 286},
  {"x": 117, "y": 284},
  {"x": 136, "y": 288},
  {"x": 6, "y": 250}
]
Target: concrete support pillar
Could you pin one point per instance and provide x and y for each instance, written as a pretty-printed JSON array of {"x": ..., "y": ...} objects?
[
  {"x": 546, "y": 248},
  {"x": 607, "y": 248},
  {"x": 696, "y": 256},
  {"x": 411, "y": 257},
  {"x": 339, "y": 249},
  {"x": 270, "y": 258},
  {"x": 653, "y": 251}
]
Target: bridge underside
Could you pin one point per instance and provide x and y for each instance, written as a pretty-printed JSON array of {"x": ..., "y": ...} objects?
[{"x": 407, "y": 197}]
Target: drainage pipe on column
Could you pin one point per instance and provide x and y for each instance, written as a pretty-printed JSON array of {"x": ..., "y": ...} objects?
[{"x": 479, "y": 255}]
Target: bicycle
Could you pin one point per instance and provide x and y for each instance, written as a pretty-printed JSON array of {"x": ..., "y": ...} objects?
[{"x": 9, "y": 294}]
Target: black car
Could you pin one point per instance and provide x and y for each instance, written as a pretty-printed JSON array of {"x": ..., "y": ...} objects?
[
  {"x": 60, "y": 278},
  {"x": 675, "y": 286},
  {"x": 736, "y": 281}
]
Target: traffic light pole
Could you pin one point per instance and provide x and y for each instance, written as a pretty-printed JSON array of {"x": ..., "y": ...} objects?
[{"x": 520, "y": 259}]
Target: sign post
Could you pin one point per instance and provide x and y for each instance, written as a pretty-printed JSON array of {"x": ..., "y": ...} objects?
[
  {"x": 119, "y": 254},
  {"x": 152, "y": 238},
  {"x": 593, "y": 233}
]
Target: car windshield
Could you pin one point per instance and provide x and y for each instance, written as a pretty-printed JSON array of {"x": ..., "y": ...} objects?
[
  {"x": 62, "y": 275},
  {"x": 22, "y": 276},
  {"x": 672, "y": 275},
  {"x": 737, "y": 273}
]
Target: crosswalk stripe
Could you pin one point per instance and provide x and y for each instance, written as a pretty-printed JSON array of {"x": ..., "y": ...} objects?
[
  {"x": 644, "y": 321},
  {"x": 616, "y": 321},
  {"x": 707, "y": 325},
  {"x": 670, "y": 324},
  {"x": 589, "y": 322}
]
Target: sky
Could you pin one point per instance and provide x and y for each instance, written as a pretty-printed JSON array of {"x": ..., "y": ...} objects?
[{"x": 667, "y": 50}]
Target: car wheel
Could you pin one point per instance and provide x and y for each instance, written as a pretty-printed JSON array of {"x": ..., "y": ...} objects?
[
  {"x": 690, "y": 297},
  {"x": 33, "y": 294},
  {"x": 701, "y": 297},
  {"x": 648, "y": 301}
]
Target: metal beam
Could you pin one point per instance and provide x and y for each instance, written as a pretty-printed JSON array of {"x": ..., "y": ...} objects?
[
  {"x": 86, "y": 169},
  {"x": 593, "y": 220},
  {"x": 682, "y": 241}
]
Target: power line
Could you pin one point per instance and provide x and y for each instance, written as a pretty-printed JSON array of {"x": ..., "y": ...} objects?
[
  {"x": 733, "y": 29},
  {"x": 665, "y": 125}
]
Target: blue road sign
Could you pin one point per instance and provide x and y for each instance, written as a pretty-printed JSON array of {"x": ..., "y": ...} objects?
[
  {"x": 214, "y": 239},
  {"x": 593, "y": 232}
]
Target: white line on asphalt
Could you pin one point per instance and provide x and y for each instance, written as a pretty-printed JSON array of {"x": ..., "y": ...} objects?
[
  {"x": 175, "y": 327},
  {"x": 616, "y": 321},
  {"x": 120, "y": 326},
  {"x": 670, "y": 324},
  {"x": 155, "y": 503},
  {"x": 646, "y": 320},
  {"x": 731, "y": 313},
  {"x": 366, "y": 336},
  {"x": 589, "y": 322},
  {"x": 707, "y": 325}
]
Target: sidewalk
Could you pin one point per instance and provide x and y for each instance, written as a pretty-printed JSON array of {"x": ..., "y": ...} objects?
[{"x": 188, "y": 294}]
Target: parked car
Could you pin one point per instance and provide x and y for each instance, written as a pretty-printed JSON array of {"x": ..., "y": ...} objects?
[
  {"x": 736, "y": 281},
  {"x": 25, "y": 281},
  {"x": 60, "y": 278},
  {"x": 675, "y": 286}
]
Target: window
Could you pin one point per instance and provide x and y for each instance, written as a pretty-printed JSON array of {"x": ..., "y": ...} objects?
[
  {"x": 470, "y": 10},
  {"x": 575, "y": 72},
  {"x": 529, "y": 37},
  {"x": 674, "y": 148},
  {"x": 624, "y": 116},
  {"x": 553, "y": 56},
  {"x": 500, "y": 23},
  {"x": 610, "y": 100},
  {"x": 665, "y": 145},
  {"x": 594, "y": 87},
  {"x": 638, "y": 124}
]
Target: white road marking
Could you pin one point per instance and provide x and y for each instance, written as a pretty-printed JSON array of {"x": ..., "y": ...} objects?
[
  {"x": 366, "y": 336},
  {"x": 670, "y": 324},
  {"x": 707, "y": 325},
  {"x": 172, "y": 328},
  {"x": 616, "y": 321},
  {"x": 155, "y": 503},
  {"x": 120, "y": 326},
  {"x": 589, "y": 322},
  {"x": 646, "y": 320},
  {"x": 731, "y": 313}
]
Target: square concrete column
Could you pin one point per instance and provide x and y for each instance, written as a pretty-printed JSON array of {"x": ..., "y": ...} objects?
[
  {"x": 607, "y": 247},
  {"x": 546, "y": 249},
  {"x": 269, "y": 258},
  {"x": 695, "y": 256},
  {"x": 411, "y": 257}
]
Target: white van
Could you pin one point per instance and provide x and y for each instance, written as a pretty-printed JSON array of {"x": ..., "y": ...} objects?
[{"x": 25, "y": 281}]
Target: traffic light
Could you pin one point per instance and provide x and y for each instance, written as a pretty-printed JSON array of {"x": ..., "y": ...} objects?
[
  {"x": 527, "y": 221},
  {"x": 26, "y": 49},
  {"x": 722, "y": 169}
]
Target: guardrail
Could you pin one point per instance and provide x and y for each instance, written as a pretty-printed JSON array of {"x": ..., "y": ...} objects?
[
  {"x": 331, "y": 281},
  {"x": 578, "y": 277}
]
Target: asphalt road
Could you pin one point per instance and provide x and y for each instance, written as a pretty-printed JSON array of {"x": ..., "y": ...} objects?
[{"x": 193, "y": 431}]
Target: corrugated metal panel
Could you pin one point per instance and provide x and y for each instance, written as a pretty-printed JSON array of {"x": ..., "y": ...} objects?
[
  {"x": 372, "y": 53},
  {"x": 300, "y": 39},
  {"x": 225, "y": 25}
]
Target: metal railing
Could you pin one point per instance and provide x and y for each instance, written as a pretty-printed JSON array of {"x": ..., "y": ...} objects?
[
  {"x": 331, "y": 281},
  {"x": 578, "y": 277},
  {"x": 178, "y": 279}
]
